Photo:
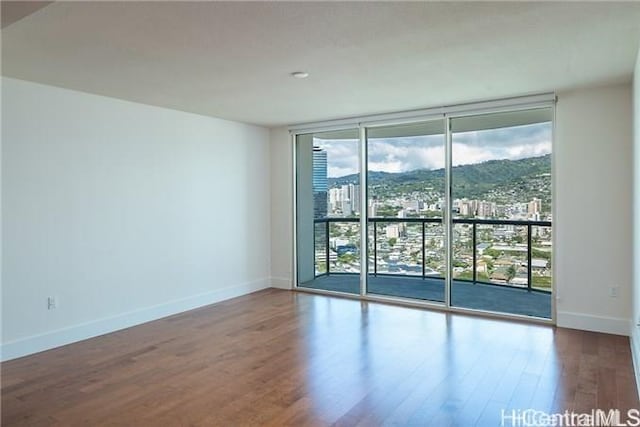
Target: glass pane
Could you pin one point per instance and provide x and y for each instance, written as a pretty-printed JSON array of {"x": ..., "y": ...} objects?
[
  {"x": 328, "y": 207},
  {"x": 461, "y": 265},
  {"x": 321, "y": 250},
  {"x": 501, "y": 204},
  {"x": 405, "y": 206},
  {"x": 542, "y": 251}
]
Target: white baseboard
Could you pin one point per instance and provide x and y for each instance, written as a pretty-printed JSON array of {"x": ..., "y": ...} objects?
[
  {"x": 586, "y": 322},
  {"x": 281, "y": 283},
  {"x": 71, "y": 334},
  {"x": 635, "y": 353}
]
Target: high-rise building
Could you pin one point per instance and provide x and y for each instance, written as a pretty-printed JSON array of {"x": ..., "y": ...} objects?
[
  {"x": 347, "y": 208},
  {"x": 320, "y": 182},
  {"x": 534, "y": 207},
  {"x": 465, "y": 208},
  {"x": 349, "y": 194},
  {"x": 355, "y": 197},
  {"x": 373, "y": 208},
  {"x": 486, "y": 209},
  {"x": 335, "y": 198},
  {"x": 319, "y": 170},
  {"x": 344, "y": 190}
]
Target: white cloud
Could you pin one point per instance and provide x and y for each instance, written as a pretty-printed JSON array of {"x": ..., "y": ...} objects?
[
  {"x": 427, "y": 152},
  {"x": 533, "y": 150},
  {"x": 387, "y": 156},
  {"x": 463, "y": 154},
  {"x": 335, "y": 171}
]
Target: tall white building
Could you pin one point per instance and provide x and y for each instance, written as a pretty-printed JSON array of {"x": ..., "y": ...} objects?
[
  {"x": 534, "y": 207},
  {"x": 373, "y": 208}
]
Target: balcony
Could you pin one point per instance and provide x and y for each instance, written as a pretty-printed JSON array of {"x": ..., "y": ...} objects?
[{"x": 498, "y": 265}]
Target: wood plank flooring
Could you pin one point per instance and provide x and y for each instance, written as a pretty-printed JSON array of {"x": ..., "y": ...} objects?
[{"x": 284, "y": 358}]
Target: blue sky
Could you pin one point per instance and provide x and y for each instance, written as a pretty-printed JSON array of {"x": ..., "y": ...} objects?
[{"x": 427, "y": 152}]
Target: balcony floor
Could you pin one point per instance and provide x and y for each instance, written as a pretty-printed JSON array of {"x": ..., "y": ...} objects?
[{"x": 477, "y": 296}]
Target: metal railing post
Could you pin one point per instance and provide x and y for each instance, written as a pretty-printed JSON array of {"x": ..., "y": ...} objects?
[
  {"x": 375, "y": 248},
  {"x": 423, "y": 251},
  {"x": 326, "y": 243},
  {"x": 529, "y": 257},
  {"x": 474, "y": 250}
]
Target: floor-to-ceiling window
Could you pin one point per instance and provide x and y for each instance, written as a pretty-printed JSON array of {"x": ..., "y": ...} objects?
[
  {"x": 452, "y": 209},
  {"x": 405, "y": 207},
  {"x": 501, "y": 206},
  {"x": 328, "y": 211}
]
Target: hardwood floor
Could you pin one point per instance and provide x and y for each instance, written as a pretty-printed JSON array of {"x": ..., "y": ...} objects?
[{"x": 284, "y": 358}]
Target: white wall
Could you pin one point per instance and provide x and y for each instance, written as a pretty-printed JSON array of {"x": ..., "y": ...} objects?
[
  {"x": 1, "y": 210},
  {"x": 593, "y": 174},
  {"x": 124, "y": 212},
  {"x": 635, "y": 320},
  {"x": 281, "y": 208},
  {"x": 593, "y": 177}
]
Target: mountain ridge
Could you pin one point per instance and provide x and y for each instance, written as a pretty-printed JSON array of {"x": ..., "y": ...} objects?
[{"x": 469, "y": 181}]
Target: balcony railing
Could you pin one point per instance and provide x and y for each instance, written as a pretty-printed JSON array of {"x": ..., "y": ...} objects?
[{"x": 474, "y": 223}]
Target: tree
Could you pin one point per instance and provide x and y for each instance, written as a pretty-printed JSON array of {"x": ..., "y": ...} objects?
[
  {"x": 321, "y": 266},
  {"x": 511, "y": 273},
  {"x": 334, "y": 229},
  {"x": 392, "y": 241},
  {"x": 492, "y": 253},
  {"x": 460, "y": 263},
  {"x": 347, "y": 258},
  {"x": 489, "y": 264},
  {"x": 536, "y": 253}
]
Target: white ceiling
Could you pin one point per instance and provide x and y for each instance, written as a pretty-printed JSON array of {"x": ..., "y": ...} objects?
[
  {"x": 13, "y": 11},
  {"x": 232, "y": 60}
]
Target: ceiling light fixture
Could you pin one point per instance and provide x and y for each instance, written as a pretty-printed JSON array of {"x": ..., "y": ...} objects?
[{"x": 300, "y": 74}]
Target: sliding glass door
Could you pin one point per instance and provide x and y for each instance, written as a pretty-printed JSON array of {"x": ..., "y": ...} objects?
[
  {"x": 405, "y": 202},
  {"x": 328, "y": 211},
  {"x": 455, "y": 211},
  {"x": 501, "y": 205}
]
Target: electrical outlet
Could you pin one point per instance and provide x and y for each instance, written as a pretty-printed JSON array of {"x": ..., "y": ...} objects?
[
  {"x": 51, "y": 303},
  {"x": 613, "y": 292}
]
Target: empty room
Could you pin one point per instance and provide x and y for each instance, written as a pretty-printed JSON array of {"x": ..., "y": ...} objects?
[{"x": 320, "y": 213}]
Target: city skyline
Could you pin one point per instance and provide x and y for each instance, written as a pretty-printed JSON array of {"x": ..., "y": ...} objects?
[{"x": 513, "y": 188}]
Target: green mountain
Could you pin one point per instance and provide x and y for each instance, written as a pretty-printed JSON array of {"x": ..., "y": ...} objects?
[{"x": 518, "y": 180}]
